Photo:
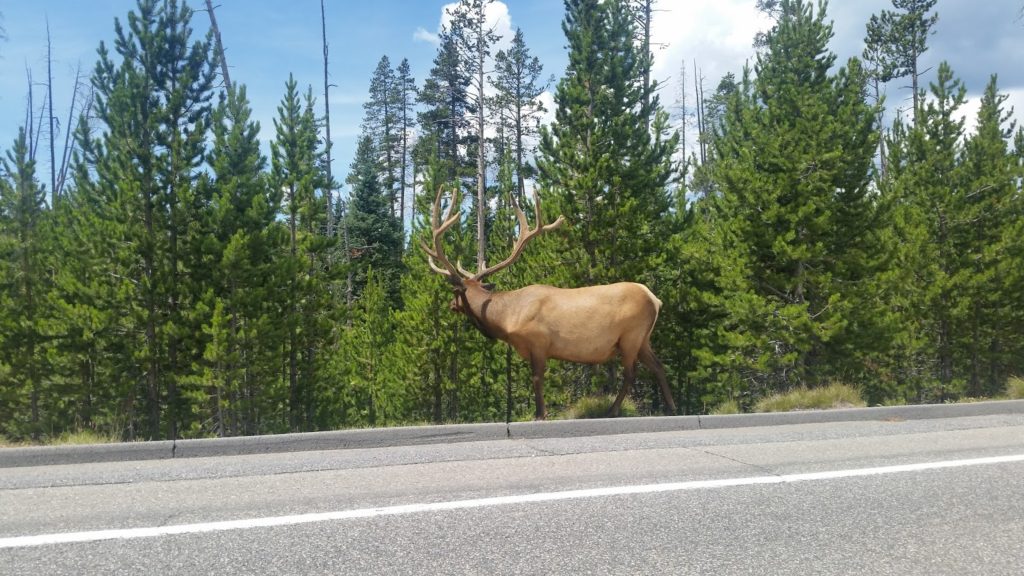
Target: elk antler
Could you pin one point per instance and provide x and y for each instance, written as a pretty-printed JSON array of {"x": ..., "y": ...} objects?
[
  {"x": 525, "y": 235},
  {"x": 456, "y": 274},
  {"x": 438, "y": 229}
]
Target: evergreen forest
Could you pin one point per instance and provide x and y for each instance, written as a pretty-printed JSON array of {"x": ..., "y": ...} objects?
[{"x": 168, "y": 277}]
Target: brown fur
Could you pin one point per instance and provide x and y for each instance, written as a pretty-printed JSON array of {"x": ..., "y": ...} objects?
[{"x": 586, "y": 325}]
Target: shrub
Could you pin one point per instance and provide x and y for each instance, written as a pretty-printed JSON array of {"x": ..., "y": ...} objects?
[{"x": 821, "y": 398}]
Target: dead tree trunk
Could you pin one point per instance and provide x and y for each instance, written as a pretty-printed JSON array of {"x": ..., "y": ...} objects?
[{"x": 219, "y": 45}]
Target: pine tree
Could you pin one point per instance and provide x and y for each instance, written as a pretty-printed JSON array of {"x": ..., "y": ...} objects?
[
  {"x": 381, "y": 122},
  {"x": 155, "y": 109},
  {"x": 242, "y": 349},
  {"x": 94, "y": 301},
  {"x": 896, "y": 41},
  {"x": 517, "y": 80},
  {"x": 296, "y": 172},
  {"x": 431, "y": 337},
  {"x": 799, "y": 212},
  {"x": 443, "y": 121},
  {"x": 608, "y": 172},
  {"x": 405, "y": 92},
  {"x": 374, "y": 231},
  {"x": 927, "y": 189},
  {"x": 474, "y": 41},
  {"x": 374, "y": 393},
  {"x": 25, "y": 292},
  {"x": 983, "y": 219}
]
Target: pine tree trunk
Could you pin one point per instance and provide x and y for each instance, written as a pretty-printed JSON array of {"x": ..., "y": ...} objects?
[
  {"x": 481, "y": 201},
  {"x": 294, "y": 397}
]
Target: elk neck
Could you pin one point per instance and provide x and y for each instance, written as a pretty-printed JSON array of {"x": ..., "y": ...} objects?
[{"x": 483, "y": 309}]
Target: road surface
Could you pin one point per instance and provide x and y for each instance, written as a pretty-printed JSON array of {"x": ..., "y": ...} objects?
[{"x": 934, "y": 497}]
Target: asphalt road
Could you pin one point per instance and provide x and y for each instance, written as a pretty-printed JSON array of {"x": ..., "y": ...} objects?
[{"x": 937, "y": 496}]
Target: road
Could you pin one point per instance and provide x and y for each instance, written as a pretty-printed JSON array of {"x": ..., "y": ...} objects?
[{"x": 940, "y": 496}]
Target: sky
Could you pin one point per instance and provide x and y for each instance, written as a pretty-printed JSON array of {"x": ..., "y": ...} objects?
[{"x": 266, "y": 40}]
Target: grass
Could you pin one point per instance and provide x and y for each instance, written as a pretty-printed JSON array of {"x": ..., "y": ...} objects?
[
  {"x": 727, "y": 407},
  {"x": 821, "y": 398},
  {"x": 65, "y": 439},
  {"x": 1015, "y": 388},
  {"x": 597, "y": 407},
  {"x": 84, "y": 437}
]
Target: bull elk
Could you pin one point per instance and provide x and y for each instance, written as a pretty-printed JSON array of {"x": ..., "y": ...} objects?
[{"x": 586, "y": 325}]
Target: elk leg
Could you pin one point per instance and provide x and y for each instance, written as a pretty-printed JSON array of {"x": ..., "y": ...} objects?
[
  {"x": 651, "y": 361},
  {"x": 628, "y": 377},
  {"x": 538, "y": 364}
]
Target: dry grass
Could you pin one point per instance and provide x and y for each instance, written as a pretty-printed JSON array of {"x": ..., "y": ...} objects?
[
  {"x": 1015, "y": 388},
  {"x": 66, "y": 439},
  {"x": 597, "y": 407},
  {"x": 821, "y": 398},
  {"x": 727, "y": 407}
]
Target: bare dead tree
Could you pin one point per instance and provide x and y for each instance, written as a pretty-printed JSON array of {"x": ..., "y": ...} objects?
[
  {"x": 69, "y": 142},
  {"x": 49, "y": 105},
  {"x": 219, "y": 45},
  {"x": 329, "y": 189},
  {"x": 684, "y": 120},
  {"x": 698, "y": 83},
  {"x": 33, "y": 125}
]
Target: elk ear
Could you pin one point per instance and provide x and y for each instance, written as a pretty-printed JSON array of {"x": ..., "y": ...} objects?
[
  {"x": 489, "y": 286},
  {"x": 455, "y": 281}
]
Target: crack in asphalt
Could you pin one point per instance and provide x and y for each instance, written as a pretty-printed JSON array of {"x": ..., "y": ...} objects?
[{"x": 763, "y": 469}]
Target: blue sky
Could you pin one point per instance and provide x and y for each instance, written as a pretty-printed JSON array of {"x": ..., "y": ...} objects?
[
  {"x": 264, "y": 42},
  {"x": 268, "y": 39}
]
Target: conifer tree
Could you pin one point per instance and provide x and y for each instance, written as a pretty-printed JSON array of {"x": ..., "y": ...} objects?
[
  {"x": 517, "y": 80},
  {"x": 405, "y": 93},
  {"x": 927, "y": 189},
  {"x": 432, "y": 338},
  {"x": 896, "y": 41},
  {"x": 155, "y": 108},
  {"x": 607, "y": 171},
  {"x": 24, "y": 291},
  {"x": 381, "y": 122},
  {"x": 296, "y": 172},
  {"x": 374, "y": 394},
  {"x": 986, "y": 218},
  {"x": 474, "y": 39},
  {"x": 98, "y": 333},
  {"x": 243, "y": 343},
  {"x": 374, "y": 230},
  {"x": 799, "y": 211},
  {"x": 443, "y": 121}
]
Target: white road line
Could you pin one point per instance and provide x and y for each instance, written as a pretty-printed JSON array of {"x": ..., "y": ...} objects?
[{"x": 149, "y": 532}]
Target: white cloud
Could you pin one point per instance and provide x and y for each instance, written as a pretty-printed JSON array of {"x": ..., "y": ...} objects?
[
  {"x": 547, "y": 98},
  {"x": 498, "y": 20},
  {"x": 969, "y": 110},
  {"x": 717, "y": 37},
  {"x": 422, "y": 35}
]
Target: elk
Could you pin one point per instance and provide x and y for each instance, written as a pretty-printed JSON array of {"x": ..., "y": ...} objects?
[{"x": 585, "y": 325}]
